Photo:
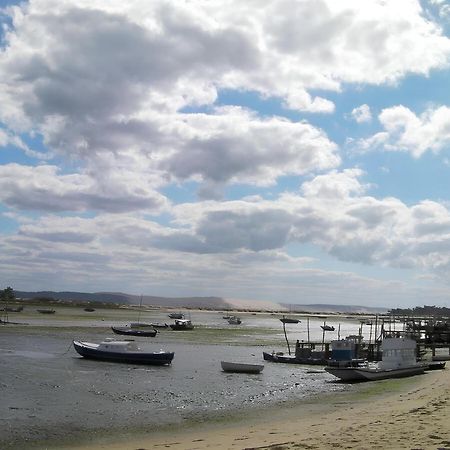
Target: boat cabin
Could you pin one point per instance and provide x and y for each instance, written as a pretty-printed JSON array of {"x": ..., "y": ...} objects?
[
  {"x": 398, "y": 352},
  {"x": 117, "y": 346}
]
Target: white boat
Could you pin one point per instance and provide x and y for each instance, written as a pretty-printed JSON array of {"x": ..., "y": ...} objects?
[
  {"x": 398, "y": 360},
  {"x": 238, "y": 367}
]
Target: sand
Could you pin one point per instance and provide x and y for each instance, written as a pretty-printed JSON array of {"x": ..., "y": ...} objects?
[{"x": 412, "y": 413}]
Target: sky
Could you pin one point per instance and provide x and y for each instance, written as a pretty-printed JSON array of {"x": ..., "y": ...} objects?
[{"x": 292, "y": 151}]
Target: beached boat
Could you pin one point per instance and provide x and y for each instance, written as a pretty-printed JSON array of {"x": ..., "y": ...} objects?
[
  {"x": 159, "y": 325},
  {"x": 289, "y": 320},
  {"x": 238, "y": 367},
  {"x": 176, "y": 315},
  {"x": 182, "y": 325},
  {"x": 46, "y": 311},
  {"x": 234, "y": 320},
  {"x": 292, "y": 359},
  {"x": 435, "y": 365},
  {"x": 140, "y": 325},
  {"x": 122, "y": 351},
  {"x": 135, "y": 331},
  {"x": 398, "y": 361}
]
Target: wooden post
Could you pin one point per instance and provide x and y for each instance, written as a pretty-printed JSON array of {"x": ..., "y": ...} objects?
[
  {"x": 285, "y": 335},
  {"x": 307, "y": 324},
  {"x": 323, "y": 333}
]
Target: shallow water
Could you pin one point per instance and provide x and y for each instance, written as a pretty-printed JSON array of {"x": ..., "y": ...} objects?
[{"x": 49, "y": 391}]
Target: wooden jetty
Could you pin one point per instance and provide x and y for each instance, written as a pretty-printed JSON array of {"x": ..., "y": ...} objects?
[{"x": 432, "y": 334}]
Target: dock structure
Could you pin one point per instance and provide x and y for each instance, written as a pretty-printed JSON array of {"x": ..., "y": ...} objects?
[{"x": 430, "y": 333}]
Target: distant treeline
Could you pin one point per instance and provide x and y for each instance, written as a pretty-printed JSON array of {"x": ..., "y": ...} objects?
[{"x": 419, "y": 311}]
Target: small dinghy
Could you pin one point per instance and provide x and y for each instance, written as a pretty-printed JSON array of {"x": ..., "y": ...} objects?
[
  {"x": 122, "y": 351},
  {"x": 241, "y": 367}
]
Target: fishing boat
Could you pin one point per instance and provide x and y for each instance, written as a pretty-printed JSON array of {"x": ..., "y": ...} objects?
[
  {"x": 238, "y": 367},
  {"x": 46, "y": 311},
  {"x": 135, "y": 331},
  {"x": 122, "y": 351},
  {"x": 182, "y": 325},
  {"x": 89, "y": 309},
  {"x": 234, "y": 320},
  {"x": 398, "y": 361}
]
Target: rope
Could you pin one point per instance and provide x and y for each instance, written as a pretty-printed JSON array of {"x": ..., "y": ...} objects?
[{"x": 68, "y": 348}]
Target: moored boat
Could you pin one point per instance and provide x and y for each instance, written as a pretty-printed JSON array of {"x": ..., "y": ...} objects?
[
  {"x": 182, "y": 325},
  {"x": 293, "y": 359},
  {"x": 234, "y": 320},
  {"x": 398, "y": 361},
  {"x": 237, "y": 367},
  {"x": 130, "y": 331},
  {"x": 121, "y": 351},
  {"x": 159, "y": 325},
  {"x": 434, "y": 365},
  {"x": 289, "y": 320},
  {"x": 176, "y": 315}
]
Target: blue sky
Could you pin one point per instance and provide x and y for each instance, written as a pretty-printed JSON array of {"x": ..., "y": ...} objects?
[{"x": 295, "y": 152}]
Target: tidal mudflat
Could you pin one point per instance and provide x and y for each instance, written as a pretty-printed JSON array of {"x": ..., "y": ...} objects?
[{"x": 51, "y": 396}]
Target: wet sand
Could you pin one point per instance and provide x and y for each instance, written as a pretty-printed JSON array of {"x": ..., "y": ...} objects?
[{"x": 412, "y": 413}]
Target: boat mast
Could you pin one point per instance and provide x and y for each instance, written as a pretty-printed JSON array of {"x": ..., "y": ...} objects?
[{"x": 140, "y": 307}]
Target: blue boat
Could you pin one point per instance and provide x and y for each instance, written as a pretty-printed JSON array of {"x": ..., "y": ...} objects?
[{"x": 122, "y": 351}]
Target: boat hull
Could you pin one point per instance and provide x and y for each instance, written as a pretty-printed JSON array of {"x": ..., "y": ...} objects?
[
  {"x": 151, "y": 358},
  {"x": 285, "y": 359},
  {"x": 46, "y": 311},
  {"x": 372, "y": 375},
  {"x": 181, "y": 327},
  {"x": 159, "y": 325},
  {"x": 345, "y": 373},
  {"x": 365, "y": 374},
  {"x": 287, "y": 320},
  {"x": 134, "y": 332},
  {"x": 241, "y": 367}
]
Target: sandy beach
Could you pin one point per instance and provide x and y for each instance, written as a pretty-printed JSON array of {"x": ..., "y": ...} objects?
[{"x": 411, "y": 413}]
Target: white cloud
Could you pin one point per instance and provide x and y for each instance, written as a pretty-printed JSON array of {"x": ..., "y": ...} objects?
[
  {"x": 42, "y": 188},
  {"x": 129, "y": 56},
  {"x": 362, "y": 114},
  {"x": 218, "y": 243},
  {"x": 107, "y": 86},
  {"x": 405, "y": 131}
]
